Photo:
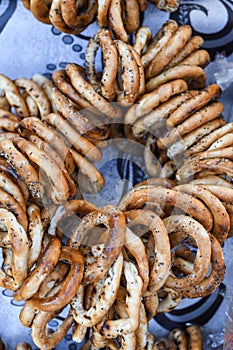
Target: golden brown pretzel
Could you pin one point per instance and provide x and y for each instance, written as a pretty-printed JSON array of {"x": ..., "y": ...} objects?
[
  {"x": 142, "y": 330},
  {"x": 102, "y": 13},
  {"x": 36, "y": 233},
  {"x": 132, "y": 16},
  {"x": 194, "y": 136},
  {"x": 166, "y": 344},
  {"x": 161, "y": 39},
  {"x": 9, "y": 186},
  {"x": 86, "y": 90},
  {"x": 205, "y": 96},
  {"x": 219, "y": 166},
  {"x": 202, "y": 261},
  {"x": 19, "y": 245},
  {"x": 130, "y": 74},
  {"x": 106, "y": 86},
  {"x": 198, "y": 118},
  {"x": 8, "y": 125},
  {"x": 153, "y": 99},
  {"x": 22, "y": 167},
  {"x": 7, "y": 114},
  {"x": 200, "y": 58},
  {"x": 139, "y": 196},
  {"x": 13, "y": 96},
  {"x": 180, "y": 338},
  {"x": 69, "y": 286},
  {"x": 36, "y": 126},
  {"x": 168, "y": 51},
  {"x": 45, "y": 265},
  {"x": 105, "y": 294},
  {"x": 62, "y": 82},
  {"x": 40, "y": 9},
  {"x": 58, "y": 182},
  {"x": 45, "y": 340},
  {"x": 195, "y": 339},
  {"x": 168, "y": 299},
  {"x": 80, "y": 143},
  {"x": 208, "y": 140},
  {"x": 72, "y": 17},
  {"x": 194, "y": 75},
  {"x": 161, "y": 266},
  {"x": 221, "y": 223},
  {"x": 142, "y": 38},
  {"x": 122, "y": 326},
  {"x": 37, "y": 93},
  {"x": 116, "y": 22},
  {"x": 167, "y": 5},
  {"x": 114, "y": 221}
]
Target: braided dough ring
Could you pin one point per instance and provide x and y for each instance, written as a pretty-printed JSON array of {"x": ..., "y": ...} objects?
[
  {"x": 19, "y": 245},
  {"x": 202, "y": 261},
  {"x": 114, "y": 221},
  {"x": 9, "y": 186},
  {"x": 106, "y": 292},
  {"x": 72, "y": 18}
]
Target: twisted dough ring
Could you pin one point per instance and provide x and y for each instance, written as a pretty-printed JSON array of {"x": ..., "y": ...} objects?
[
  {"x": 202, "y": 261},
  {"x": 114, "y": 221},
  {"x": 19, "y": 245}
]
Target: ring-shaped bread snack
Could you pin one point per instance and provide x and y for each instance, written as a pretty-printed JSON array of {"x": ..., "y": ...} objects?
[
  {"x": 202, "y": 260},
  {"x": 19, "y": 245},
  {"x": 114, "y": 221}
]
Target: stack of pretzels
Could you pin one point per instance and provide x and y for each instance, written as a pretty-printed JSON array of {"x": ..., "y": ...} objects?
[
  {"x": 71, "y": 16},
  {"x": 112, "y": 269}
]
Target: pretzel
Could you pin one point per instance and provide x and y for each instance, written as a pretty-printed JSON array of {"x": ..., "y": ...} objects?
[
  {"x": 161, "y": 266},
  {"x": 208, "y": 140},
  {"x": 141, "y": 331},
  {"x": 115, "y": 21},
  {"x": 8, "y": 115},
  {"x": 70, "y": 13},
  {"x": 37, "y": 93},
  {"x": 194, "y": 136},
  {"x": 211, "y": 180},
  {"x": 114, "y": 328},
  {"x": 40, "y": 129},
  {"x": 8, "y": 124},
  {"x": 62, "y": 82},
  {"x": 4, "y": 104},
  {"x": 202, "y": 260},
  {"x": 168, "y": 51},
  {"x": 46, "y": 85},
  {"x": 142, "y": 37},
  {"x": 22, "y": 167},
  {"x": 86, "y": 90},
  {"x": 132, "y": 16},
  {"x": 221, "y": 224},
  {"x": 161, "y": 112},
  {"x": 23, "y": 346},
  {"x": 114, "y": 221},
  {"x": 202, "y": 116},
  {"x": 106, "y": 292},
  {"x": 169, "y": 299},
  {"x": 219, "y": 166},
  {"x": 180, "y": 338},
  {"x": 19, "y": 246},
  {"x": 193, "y": 75},
  {"x": 153, "y": 99},
  {"x": 81, "y": 144},
  {"x": 136, "y": 248},
  {"x": 13, "y": 96},
  {"x": 167, "y": 5},
  {"x": 183, "y": 112},
  {"x": 40, "y": 10},
  {"x": 43, "y": 339},
  {"x": 160, "y": 40},
  {"x": 195, "y": 340},
  {"x": 191, "y": 46},
  {"x": 45, "y": 265},
  {"x": 94, "y": 180},
  {"x": 199, "y": 58},
  {"x": 141, "y": 88},
  {"x": 69, "y": 286},
  {"x": 9, "y": 186},
  {"x": 102, "y": 13},
  {"x": 140, "y": 195},
  {"x": 156, "y": 182},
  {"x": 55, "y": 176},
  {"x": 130, "y": 73},
  {"x": 55, "y": 15},
  {"x": 166, "y": 344}
]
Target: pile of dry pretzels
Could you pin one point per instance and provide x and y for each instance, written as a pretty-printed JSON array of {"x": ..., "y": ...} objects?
[{"x": 115, "y": 267}]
